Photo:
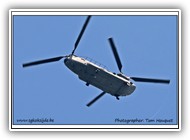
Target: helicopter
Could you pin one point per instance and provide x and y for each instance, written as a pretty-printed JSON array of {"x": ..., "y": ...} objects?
[{"x": 116, "y": 84}]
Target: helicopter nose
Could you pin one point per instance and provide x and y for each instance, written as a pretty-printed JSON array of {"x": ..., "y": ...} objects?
[{"x": 65, "y": 61}]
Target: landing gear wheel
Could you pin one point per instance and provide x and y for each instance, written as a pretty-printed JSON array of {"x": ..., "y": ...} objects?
[
  {"x": 87, "y": 84},
  {"x": 117, "y": 97}
]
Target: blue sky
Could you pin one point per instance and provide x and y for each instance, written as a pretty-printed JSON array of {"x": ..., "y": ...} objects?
[{"x": 147, "y": 47}]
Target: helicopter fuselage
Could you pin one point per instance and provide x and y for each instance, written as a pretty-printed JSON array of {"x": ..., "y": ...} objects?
[{"x": 99, "y": 77}]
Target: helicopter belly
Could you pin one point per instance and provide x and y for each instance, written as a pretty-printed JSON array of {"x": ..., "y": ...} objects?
[{"x": 106, "y": 81}]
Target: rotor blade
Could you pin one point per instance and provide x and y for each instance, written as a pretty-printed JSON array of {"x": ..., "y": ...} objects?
[
  {"x": 81, "y": 33},
  {"x": 43, "y": 61},
  {"x": 162, "y": 81},
  {"x": 114, "y": 50},
  {"x": 95, "y": 99}
]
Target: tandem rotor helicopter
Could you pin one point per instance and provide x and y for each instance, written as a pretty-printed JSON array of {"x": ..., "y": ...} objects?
[{"x": 109, "y": 82}]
